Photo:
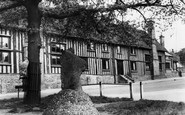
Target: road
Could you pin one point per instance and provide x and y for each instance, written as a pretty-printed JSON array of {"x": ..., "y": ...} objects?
[
  {"x": 165, "y": 89},
  {"x": 170, "y": 89}
]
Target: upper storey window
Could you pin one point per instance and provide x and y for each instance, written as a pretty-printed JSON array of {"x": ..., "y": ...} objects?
[
  {"x": 4, "y": 42},
  {"x": 133, "y": 51},
  {"x": 118, "y": 49},
  {"x": 4, "y": 49},
  {"x": 90, "y": 46},
  {"x": 57, "y": 48},
  {"x": 104, "y": 47}
]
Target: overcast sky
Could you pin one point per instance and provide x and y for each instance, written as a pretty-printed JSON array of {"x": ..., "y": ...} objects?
[{"x": 175, "y": 37}]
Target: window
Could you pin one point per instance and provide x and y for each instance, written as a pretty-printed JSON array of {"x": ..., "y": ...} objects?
[
  {"x": 57, "y": 48},
  {"x": 91, "y": 46},
  {"x": 133, "y": 65},
  {"x": 5, "y": 45},
  {"x": 160, "y": 62},
  {"x": 105, "y": 64},
  {"x": 167, "y": 65},
  {"x": 147, "y": 62},
  {"x": 104, "y": 47},
  {"x": 4, "y": 42},
  {"x": 4, "y": 57},
  {"x": 132, "y": 51},
  {"x": 86, "y": 60},
  {"x": 55, "y": 60},
  {"x": 118, "y": 49}
]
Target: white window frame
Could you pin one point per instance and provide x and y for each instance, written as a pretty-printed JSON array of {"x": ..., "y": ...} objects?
[{"x": 132, "y": 51}]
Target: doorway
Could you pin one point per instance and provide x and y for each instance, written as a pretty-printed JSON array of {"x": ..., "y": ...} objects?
[{"x": 120, "y": 67}]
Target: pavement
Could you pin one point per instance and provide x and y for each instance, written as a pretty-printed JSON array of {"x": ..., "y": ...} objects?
[{"x": 91, "y": 90}]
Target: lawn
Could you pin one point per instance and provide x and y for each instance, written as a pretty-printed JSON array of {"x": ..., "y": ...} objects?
[{"x": 106, "y": 106}]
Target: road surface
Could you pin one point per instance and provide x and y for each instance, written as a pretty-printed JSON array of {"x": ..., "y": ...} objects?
[
  {"x": 165, "y": 89},
  {"x": 170, "y": 89}
]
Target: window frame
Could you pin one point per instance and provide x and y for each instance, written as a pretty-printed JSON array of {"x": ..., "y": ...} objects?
[
  {"x": 1, "y": 42},
  {"x": 56, "y": 62},
  {"x": 91, "y": 46},
  {"x": 105, "y": 48},
  {"x": 55, "y": 53},
  {"x": 119, "y": 49},
  {"x": 60, "y": 44},
  {"x": 9, "y": 58},
  {"x": 167, "y": 67},
  {"x": 147, "y": 62},
  {"x": 105, "y": 64},
  {"x": 5, "y": 49},
  {"x": 86, "y": 60},
  {"x": 160, "y": 63},
  {"x": 132, "y": 51},
  {"x": 132, "y": 63}
]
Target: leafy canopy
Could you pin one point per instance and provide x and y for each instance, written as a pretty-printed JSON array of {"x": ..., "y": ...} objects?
[{"x": 88, "y": 18}]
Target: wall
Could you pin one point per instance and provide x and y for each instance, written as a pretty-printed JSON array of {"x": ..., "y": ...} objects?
[
  {"x": 16, "y": 41},
  {"x": 50, "y": 81},
  {"x": 8, "y": 82},
  {"x": 95, "y": 79},
  {"x": 141, "y": 77}
]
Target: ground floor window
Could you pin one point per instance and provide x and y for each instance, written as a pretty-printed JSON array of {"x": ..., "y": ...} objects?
[
  {"x": 86, "y": 60},
  {"x": 147, "y": 62},
  {"x": 5, "y": 62},
  {"x": 4, "y": 57},
  {"x": 167, "y": 65},
  {"x": 133, "y": 65},
  {"x": 56, "y": 52},
  {"x": 160, "y": 63},
  {"x": 105, "y": 64},
  {"x": 55, "y": 60}
]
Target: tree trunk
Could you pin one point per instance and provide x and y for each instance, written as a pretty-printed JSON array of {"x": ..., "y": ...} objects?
[{"x": 32, "y": 94}]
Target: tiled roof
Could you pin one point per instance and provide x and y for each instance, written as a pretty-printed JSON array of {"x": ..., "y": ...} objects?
[
  {"x": 139, "y": 37},
  {"x": 160, "y": 47}
]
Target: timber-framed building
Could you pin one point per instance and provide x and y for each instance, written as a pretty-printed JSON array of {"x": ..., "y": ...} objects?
[{"x": 106, "y": 60}]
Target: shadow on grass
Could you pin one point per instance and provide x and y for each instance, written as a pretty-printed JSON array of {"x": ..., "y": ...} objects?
[
  {"x": 113, "y": 106},
  {"x": 144, "y": 107}
]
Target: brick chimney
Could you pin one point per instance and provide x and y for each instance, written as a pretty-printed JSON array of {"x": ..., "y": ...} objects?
[
  {"x": 154, "y": 62},
  {"x": 161, "y": 38}
]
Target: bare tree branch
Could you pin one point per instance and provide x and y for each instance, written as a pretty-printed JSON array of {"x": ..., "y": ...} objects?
[
  {"x": 150, "y": 3},
  {"x": 55, "y": 13},
  {"x": 182, "y": 1},
  {"x": 13, "y": 4},
  {"x": 122, "y": 1},
  {"x": 140, "y": 13},
  {"x": 147, "y": 1}
]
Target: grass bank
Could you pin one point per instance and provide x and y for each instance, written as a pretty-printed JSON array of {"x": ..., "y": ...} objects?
[{"x": 106, "y": 106}]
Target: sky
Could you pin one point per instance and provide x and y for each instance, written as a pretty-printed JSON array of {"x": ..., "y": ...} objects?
[{"x": 175, "y": 37}]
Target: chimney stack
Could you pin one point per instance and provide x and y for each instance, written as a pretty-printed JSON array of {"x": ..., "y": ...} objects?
[
  {"x": 172, "y": 51},
  {"x": 154, "y": 54},
  {"x": 161, "y": 38}
]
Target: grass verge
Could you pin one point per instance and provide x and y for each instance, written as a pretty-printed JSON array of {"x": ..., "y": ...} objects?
[{"x": 111, "y": 106}]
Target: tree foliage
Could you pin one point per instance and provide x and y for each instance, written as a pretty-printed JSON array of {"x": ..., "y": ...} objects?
[
  {"x": 88, "y": 15},
  {"x": 181, "y": 54}
]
